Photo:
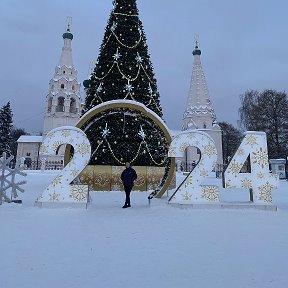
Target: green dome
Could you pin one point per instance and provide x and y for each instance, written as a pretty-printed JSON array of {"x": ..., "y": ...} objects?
[
  {"x": 197, "y": 51},
  {"x": 68, "y": 35}
]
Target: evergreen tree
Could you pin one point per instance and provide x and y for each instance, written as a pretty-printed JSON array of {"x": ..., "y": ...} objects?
[
  {"x": 124, "y": 71},
  {"x": 6, "y": 126}
]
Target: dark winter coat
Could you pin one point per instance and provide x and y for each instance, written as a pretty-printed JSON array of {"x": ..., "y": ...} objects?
[{"x": 128, "y": 177}]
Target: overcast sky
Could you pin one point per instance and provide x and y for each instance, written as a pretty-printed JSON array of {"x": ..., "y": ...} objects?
[{"x": 244, "y": 46}]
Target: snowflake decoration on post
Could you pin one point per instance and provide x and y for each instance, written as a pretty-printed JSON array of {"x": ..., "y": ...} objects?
[
  {"x": 129, "y": 87},
  {"x": 105, "y": 132},
  {"x": 117, "y": 55},
  {"x": 141, "y": 133},
  {"x": 7, "y": 178},
  {"x": 261, "y": 158}
]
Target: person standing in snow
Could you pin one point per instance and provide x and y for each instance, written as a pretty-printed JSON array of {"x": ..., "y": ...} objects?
[{"x": 128, "y": 177}]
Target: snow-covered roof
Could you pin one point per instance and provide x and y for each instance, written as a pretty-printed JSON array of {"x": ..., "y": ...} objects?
[
  {"x": 277, "y": 161},
  {"x": 30, "y": 139}
]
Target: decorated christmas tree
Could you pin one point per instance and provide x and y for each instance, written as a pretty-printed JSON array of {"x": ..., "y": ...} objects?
[{"x": 124, "y": 72}]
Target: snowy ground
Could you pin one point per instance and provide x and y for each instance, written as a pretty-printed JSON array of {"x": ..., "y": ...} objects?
[{"x": 158, "y": 246}]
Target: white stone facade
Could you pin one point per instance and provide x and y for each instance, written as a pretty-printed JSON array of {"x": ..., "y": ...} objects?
[
  {"x": 200, "y": 114},
  {"x": 63, "y": 108},
  {"x": 63, "y": 102}
]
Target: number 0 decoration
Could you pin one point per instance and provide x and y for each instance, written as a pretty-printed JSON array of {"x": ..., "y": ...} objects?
[
  {"x": 259, "y": 179},
  {"x": 61, "y": 191},
  {"x": 192, "y": 189}
]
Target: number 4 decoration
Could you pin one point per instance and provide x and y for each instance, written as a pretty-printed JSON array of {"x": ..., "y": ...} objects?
[
  {"x": 60, "y": 192},
  {"x": 259, "y": 179},
  {"x": 192, "y": 189}
]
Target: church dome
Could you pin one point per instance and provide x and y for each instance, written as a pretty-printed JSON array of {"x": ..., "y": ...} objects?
[
  {"x": 196, "y": 51},
  {"x": 68, "y": 35}
]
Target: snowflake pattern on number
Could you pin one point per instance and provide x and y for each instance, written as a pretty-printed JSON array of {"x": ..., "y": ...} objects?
[
  {"x": 234, "y": 168},
  {"x": 83, "y": 148},
  {"x": 191, "y": 136},
  {"x": 43, "y": 149},
  {"x": 252, "y": 140},
  {"x": 260, "y": 175},
  {"x": 188, "y": 181},
  {"x": 246, "y": 183},
  {"x": 74, "y": 172},
  {"x": 79, "y": 193},
  {"x": 204, "y": 173},
  {"x": 56, "y": 145},
  {"x": 54, "y": 197},
  {"x": 210, "y": 193},
  {"x": 240, "y": 152},
  {"x": 66, "y": 133},
  {"x": 209, "y": 150},
  {"x": 261, "y": 158},
  {"x": 186, "y": 197},
  {"x": 265, "y": 192},
  {"x": 184, "y": 146},
  {"x": 57, "y": 181}
]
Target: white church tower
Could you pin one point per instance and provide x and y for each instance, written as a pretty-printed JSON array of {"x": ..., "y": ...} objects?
[
  {"x": 63, "y": 102},
  {"x": 199, "y": 113}
]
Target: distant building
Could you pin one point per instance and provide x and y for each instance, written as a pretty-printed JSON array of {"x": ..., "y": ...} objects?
[
  {"x": 63, "y": 107},
  {"x": 277, "y": 166},
  {"x": 200, "y": 114}
]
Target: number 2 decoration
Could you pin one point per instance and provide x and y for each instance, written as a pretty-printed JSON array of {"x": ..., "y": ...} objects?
[
  {"x": 61, "y": 190},
  {"x": 192, "y": 189}
]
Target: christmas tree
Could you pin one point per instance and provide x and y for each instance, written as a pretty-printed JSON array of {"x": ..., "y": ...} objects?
[
  {"x": 124, "y": 71},
  {"x": 6, "y": 126}
]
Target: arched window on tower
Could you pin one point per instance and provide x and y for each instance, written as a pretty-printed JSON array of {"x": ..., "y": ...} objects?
[
  {"x": 62, "y": 86},
  {"x": 50, "y": 104},
  {"x": 60, "y": 105},
  {"x": 73, "y": 108},
  {"x": 204, "y": 126}
]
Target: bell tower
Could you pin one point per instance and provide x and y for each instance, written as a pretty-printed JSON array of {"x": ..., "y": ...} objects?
[
  {"x": 63, "y": 102},
  {"x": 199, "y": 113}
]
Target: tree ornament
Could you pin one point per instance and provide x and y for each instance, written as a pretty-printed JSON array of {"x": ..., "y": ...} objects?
[
  {"x": 129, "y": 87},
  {"x": 105, "y": 132},
  {"x": 141, "y": 133},
  {"x": 117, "y": 55}
]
